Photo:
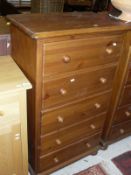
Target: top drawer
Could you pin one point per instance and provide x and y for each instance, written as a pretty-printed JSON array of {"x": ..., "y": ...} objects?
[{"x": 66, "y": 56}]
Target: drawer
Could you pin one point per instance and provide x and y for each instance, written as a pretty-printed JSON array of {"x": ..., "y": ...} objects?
[
  {"x": 70, "y": 152},
  {"x": 75, "y": 113},
  {"x": 123, "y": 114},
  {"x": 63, "y": 137},
  {"x": 80, "y": 2},
  {"x": 126, "y": 98},
  {"x": 60, "y": 91},
  {"x": 118, "y": 131},
  {"x": 9, "y": 109},
  {"x": 73, "y": 55}
]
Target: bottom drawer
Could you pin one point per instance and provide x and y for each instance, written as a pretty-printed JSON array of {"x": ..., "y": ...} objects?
[
  {"x": 120, "y": 130},
  {"x": 71, "y": 152}
]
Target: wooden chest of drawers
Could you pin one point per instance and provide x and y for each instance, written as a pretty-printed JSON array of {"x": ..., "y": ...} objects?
[
  {"x": 74, "y": 65},
  {"x": 120, "y": 115},
  {"x": 121, "y": 121},
  {"x": 4, "y": 37}
]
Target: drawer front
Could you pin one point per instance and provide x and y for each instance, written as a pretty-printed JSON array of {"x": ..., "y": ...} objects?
[
  {"x": 123, "y": 114},
  {"x": 74, "y": 150},
  {"x": 71, "y": 114},
  {"x": 126, "y": 99},
  {"x": 61, "y": 138},
  {"x": 61, "y": 91},
  {"x": 120, "y": 130},
  {"x": 66, "y": 56}
]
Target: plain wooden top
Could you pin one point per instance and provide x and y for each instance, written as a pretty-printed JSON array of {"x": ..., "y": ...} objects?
[
  {"x": 4, "y": 28},
  {"x": 11, "y": 77},
  {"x": 58, "y": 24}
]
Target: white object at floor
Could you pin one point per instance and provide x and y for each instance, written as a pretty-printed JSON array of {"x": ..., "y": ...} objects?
[{"x": 125, "y": 7}]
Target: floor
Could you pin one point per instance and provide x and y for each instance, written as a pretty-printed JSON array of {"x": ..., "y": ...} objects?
[{"x": 103, "y": 157}]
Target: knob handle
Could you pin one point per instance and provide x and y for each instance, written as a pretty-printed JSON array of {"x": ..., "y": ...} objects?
[
  {"x": 58, "y": 141},
  {"x": 97, "y": 105},
  {"x": 109, "y": 51},
  {"x": 63, "y": 91},
  {"x": 92, "y": 126},
  {"x": 114, "y": 44},
  {"x": 8, "y": 23},
  {"x": 127, "y": 113},
  {"x": 56, "y": 160},
  {"x": 72, "y": 80},
  {"x": 60, "y": 119},
  {"x": 103, "y": 80},
  {"x": 88, "y": 145},
  {"x": 122, "y": 131},
  {"x": 17, "y": 136},
  {"x": 66, "y": 59}
]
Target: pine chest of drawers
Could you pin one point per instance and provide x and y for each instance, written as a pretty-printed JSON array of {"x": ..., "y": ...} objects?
[
  {"x": 73, "y": 63},
  {"x": 13, "y": 119},
  {"x": 120, "y": 114}
]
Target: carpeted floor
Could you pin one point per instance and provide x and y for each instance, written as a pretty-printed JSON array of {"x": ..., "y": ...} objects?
[
  {"x": 123, "y": 162},
  {"x": 94, "y": 170}
]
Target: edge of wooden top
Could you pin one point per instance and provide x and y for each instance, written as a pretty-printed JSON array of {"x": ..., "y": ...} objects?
[
  {"x": 117, "y": 26},
  {"x": 78, "y": 31}
]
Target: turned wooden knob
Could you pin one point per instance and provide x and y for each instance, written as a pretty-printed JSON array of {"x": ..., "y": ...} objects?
[
  {"x": 8, "y": 23},
  {"x": 127, "y": 113},
  {"x": 66, "y": 59},
  {"x": 58, "y": 141},
  {"x": 72, "y": 80},
  {"x": 17, "y": 136},
  {"x": 56, "y": 160},
  {"x": 103, "y": 80},
  {"x": 1, "y": 114},
  {"x": 114, "y": 44},
  {"x": 63, "y": 91},
  {"x": 60, "y": 119},
  {"x": 97, "y": 105},
  {"x": 122, "y": 131},
  {"x": 109, "y": 51},
  {"x": 88, "y": 145},
  {"x": 92, "y": 126}
]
